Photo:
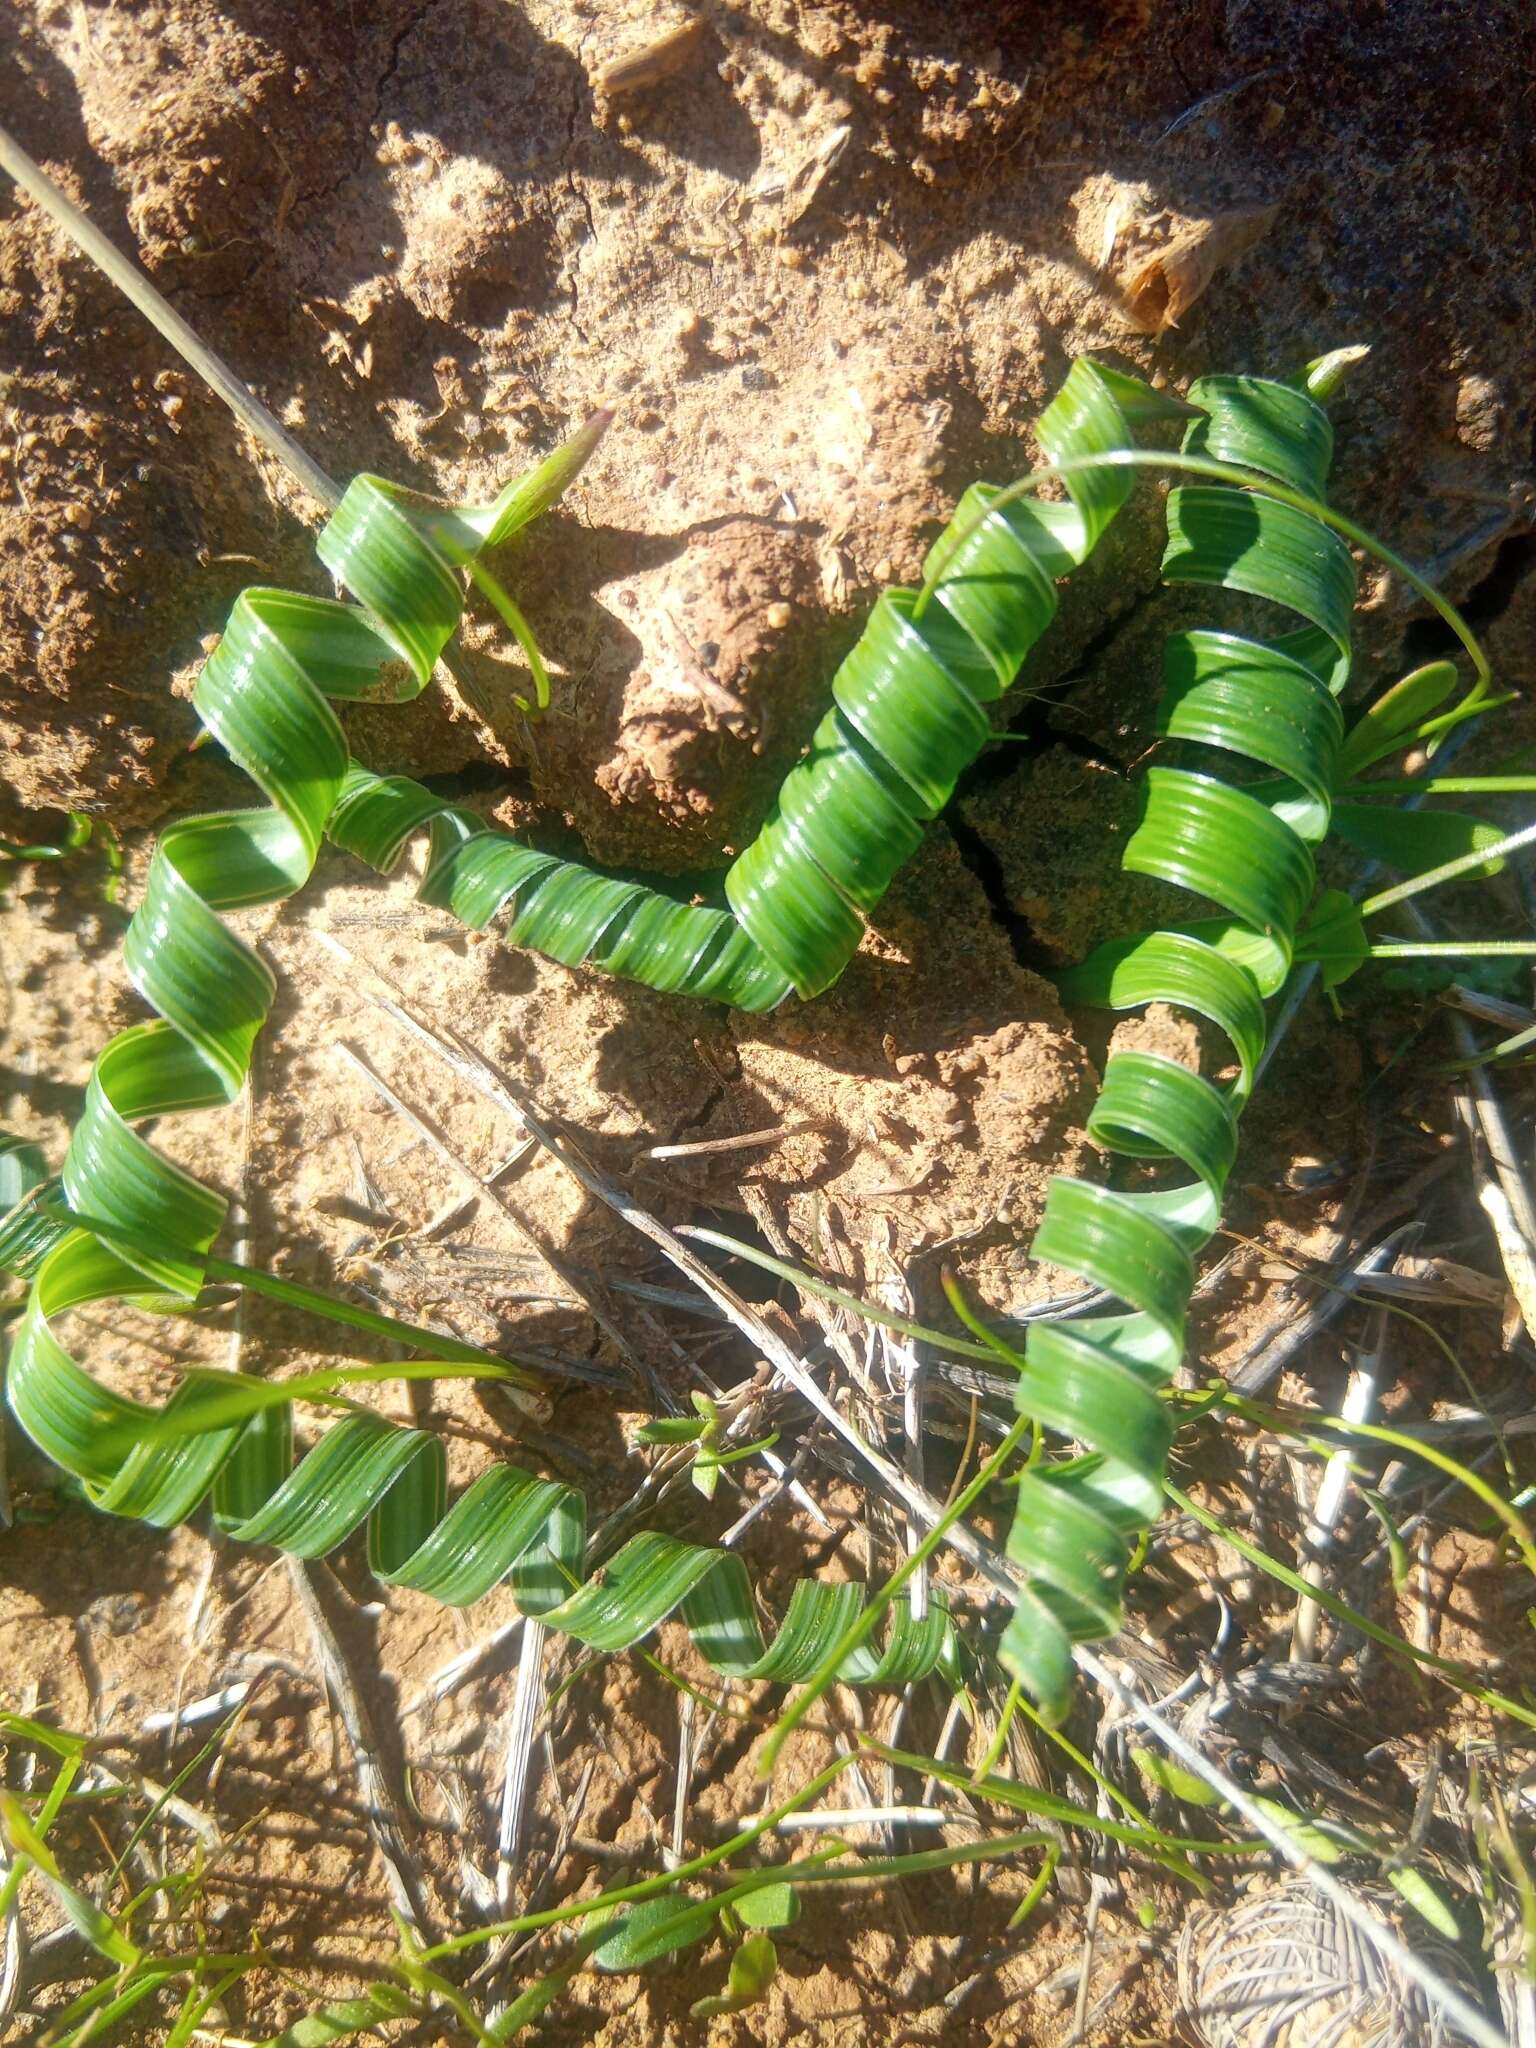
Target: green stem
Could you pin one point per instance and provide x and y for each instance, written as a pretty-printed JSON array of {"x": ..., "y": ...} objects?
[
  {"x": 1449, "y": 871},
  {"x": 1246, "y": 479},
  {"x": 158, "y": 310},
  {"x": 863, "y": 1625},
  {"x": 293, "y": 1295},
  {"x": 511, "y": 616},
  {"x": 646, "y": 1888},
  {"x": 1445, "y": 785}
]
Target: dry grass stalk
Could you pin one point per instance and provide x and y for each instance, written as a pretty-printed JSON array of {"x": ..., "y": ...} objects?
[{"x": 386, "y": 1822}]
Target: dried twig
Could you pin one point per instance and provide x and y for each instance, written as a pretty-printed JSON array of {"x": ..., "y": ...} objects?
[
  {"x": 747, "y": 1141},
  {"x": 687, "y": 1758},
  {"x": 1215, "y": 99},
  {"x": 1267, "y": 1359},
  {"x": 136, "y": 287},
  {"x": 386, "y": 1822},
  {"x": 1359, "y": 1399},
  {"x": 212, "y": 1707},
  {"x": 518, "y": 1762}
]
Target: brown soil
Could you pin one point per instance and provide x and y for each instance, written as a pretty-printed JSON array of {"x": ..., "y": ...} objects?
[{"x": 434, "y": 246}]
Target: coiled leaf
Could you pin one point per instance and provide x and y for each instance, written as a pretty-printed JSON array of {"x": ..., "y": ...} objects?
[
  {"x": 1271, "y": 703},
  {"x": 908, "y": 716}
]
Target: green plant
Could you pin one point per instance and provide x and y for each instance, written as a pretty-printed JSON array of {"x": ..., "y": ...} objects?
[
  {"x": 908, "y": 696},
  {"x": 906, "y": 719}
]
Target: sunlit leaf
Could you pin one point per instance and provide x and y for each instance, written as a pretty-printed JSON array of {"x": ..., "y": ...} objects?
[
  {"x": 1172, "y": 1778},
  {"x": 1413, "y": 842},
  {"x": 653, "y": 1929},
  {"x": 770, "y": 1905},
  {"x": 344, "y": 2020},
  {"x": 1395, "y": 717},
  {"x": 753, "y": 1968},
  {"x": 1426, "y": 1901}
]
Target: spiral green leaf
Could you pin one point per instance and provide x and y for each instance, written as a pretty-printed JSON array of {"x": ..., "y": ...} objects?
[
  {"x": 1230, "y": 701},
  {"x": 908, "y": 718},
  {"x": 1233, "y": 818}
]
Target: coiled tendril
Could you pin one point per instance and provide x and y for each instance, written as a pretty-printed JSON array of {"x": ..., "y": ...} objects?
[
  {"x": 1271, "y": 703},
  {"x": 907, "y": 718}
]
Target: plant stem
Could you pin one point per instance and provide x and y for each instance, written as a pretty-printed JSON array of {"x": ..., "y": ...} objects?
[
  {"x": 1449, "y": 871},
  {"x": 157, "y": 309}
]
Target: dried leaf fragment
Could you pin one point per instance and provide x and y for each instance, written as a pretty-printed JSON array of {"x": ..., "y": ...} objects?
[
  {"x": 653, "y": 61},
  {"x": 796, "y": 188},
  {"x": 1165, "y": 284}
]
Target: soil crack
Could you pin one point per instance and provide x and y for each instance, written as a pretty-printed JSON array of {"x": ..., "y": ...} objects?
[
  {"x": 700, "y": 1116},
  {"x": 1484, "y": 604},
  {"x": 1033, "y": 730},
  {"x": 393, "y": 65},
  {"x": 315, "y": 195},
  {"x": 982, "y": 860}
]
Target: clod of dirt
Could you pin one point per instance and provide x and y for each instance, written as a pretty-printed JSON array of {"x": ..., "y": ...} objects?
[
  {"x": 948, "y": 1087},
  {"x": 729, "y": 675},
  {"x": 650, "y": 62},
  {"x": 471, "y": 248},
  {"x": 132, "y": 521},
  {"x": 693, "y": 679},
  {"x": 1162, "y": 286}
]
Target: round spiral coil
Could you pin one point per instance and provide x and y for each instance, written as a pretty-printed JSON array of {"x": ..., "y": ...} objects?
[
  {"x": 1271, "y": 705},
  {"x": 907, "y": 720}
]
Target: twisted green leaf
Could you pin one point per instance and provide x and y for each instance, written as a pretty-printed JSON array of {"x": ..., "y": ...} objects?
[
  {"x": 264, "y": 695},
  {"x": 1229, "y": 699},
  {"x": 908, "y": 716},
  {"x": 160, "y": 1464}
]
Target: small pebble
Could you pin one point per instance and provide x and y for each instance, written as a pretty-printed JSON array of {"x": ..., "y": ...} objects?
[{"x": 779, "y": 615}]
